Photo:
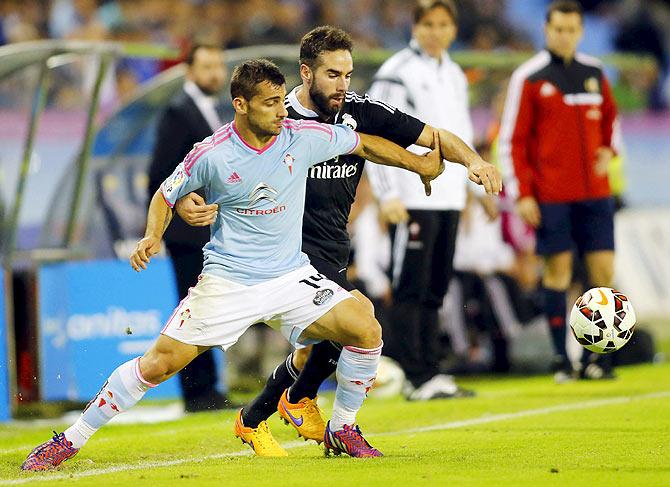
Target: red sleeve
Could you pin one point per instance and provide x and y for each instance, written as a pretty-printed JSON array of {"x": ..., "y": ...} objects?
[
  {"x": 609, "y": 112},
  {"x": 521, "y": 141}
]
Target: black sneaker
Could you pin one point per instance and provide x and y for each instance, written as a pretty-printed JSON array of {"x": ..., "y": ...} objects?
[{"x": 597, "y": 367}]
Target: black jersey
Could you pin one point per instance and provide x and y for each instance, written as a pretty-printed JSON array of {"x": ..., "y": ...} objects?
[{"x": 331, "y": 185}]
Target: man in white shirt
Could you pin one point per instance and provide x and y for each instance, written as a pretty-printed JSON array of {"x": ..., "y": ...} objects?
[{"x": 423, "y": 81}]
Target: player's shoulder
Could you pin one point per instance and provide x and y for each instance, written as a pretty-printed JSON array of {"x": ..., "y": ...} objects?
[
  {"x": 210, "y": 147},
  {"x": 532, "y": 66},
  {"x": 303, "y": 128},
  {"x": 592, "y": 65},
  {"x": 397, "y": 63},
  {"x": 588, "y": 60},
  {"x": 363, "y": 105}
]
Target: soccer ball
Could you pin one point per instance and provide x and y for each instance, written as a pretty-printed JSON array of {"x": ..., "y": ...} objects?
[{"x": 602, "y": 320}]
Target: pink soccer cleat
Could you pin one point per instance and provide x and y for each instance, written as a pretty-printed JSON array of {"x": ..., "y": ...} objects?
[
  {"x": 348, "y": 440},
  {"x": 50, "y": 454}
]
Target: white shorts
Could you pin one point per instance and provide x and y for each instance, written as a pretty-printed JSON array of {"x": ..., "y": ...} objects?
[{"x": 216, "y": 312}]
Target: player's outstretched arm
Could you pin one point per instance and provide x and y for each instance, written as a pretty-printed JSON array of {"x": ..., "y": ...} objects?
[
  {"x": 455, "y": 150},
  {"x": 158, "y": 219},
  {"x": 387, "y": 153}
]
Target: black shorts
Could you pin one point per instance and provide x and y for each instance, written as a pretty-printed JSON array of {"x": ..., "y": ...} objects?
[
  {"x": 332, "y": 272},
  {"x": 585, "y": 225}
]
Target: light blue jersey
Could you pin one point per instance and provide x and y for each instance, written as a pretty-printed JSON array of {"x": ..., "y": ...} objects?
[{"x": 257, "y": 235}]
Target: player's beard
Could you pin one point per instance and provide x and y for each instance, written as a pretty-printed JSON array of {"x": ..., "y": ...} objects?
[{"x": 322, "y": 102}]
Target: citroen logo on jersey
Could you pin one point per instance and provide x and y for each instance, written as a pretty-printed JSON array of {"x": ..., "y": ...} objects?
[
  {"x": 261, "y": 193},
  {"x": 349, "y": 121}
]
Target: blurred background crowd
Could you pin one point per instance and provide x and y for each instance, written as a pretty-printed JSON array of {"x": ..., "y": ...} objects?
[{"x": 641, "y": 26}]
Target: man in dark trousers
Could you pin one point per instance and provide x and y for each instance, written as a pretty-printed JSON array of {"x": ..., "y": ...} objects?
[
  {"x": 556, "y": 141},
  {"x": 189, "y": 118}
]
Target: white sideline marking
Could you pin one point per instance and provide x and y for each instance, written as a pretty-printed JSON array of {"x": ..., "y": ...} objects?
[{"x": 297, "y": 444}]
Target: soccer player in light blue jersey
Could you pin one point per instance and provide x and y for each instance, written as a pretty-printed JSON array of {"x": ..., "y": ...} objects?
[{"x": 255, "y": 170}]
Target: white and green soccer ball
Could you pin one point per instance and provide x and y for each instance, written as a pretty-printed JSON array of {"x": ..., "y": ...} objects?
[{"x": 602, "y": 320}]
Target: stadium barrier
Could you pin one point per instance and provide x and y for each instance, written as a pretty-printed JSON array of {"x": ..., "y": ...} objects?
[
  {"x": 642, "y": 266},
  {"x": 95, "y": 315},
  {"x": 5, "y": 404}
]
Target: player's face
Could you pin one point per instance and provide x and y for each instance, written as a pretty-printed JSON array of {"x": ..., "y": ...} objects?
[
  {"x": 208, "y": 70},
  {"x": 330, "y": 80},
  {"x": 563, "y": 32},
  {"x": 265, "y": 110},
  {"x": 435, "y": 31}
]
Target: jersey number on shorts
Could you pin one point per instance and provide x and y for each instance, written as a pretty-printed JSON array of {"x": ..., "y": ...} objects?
[{"x": 316, "y": 278}]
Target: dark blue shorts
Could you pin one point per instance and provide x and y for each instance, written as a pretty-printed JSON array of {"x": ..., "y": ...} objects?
[{"x": 586, "y": 226}]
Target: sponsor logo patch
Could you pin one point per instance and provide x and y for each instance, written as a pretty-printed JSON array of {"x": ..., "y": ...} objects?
[
  {"x": 173, "y": 182},
  {"x": 322, "y": 296},
  {"x": 592, "y": 85}
]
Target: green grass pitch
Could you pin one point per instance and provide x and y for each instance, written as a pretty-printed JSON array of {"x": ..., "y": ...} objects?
[{"x": 517, "y": 431}]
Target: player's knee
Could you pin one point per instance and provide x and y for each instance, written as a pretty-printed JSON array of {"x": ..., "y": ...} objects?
[
  {"x": 155, "y": 368},
  {"x": 368, "y": 334},
  {"x": 367, "y": 304},
  {"x": 300, "y": 357}
]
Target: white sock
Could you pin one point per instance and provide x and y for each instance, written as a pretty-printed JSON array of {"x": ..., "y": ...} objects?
[
  {"x": 124, "y": 388},
  {"x": 356, "y": 371}
]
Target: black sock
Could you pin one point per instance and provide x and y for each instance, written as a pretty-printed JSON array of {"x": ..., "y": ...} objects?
[
  {"x": 555, "y": 310},
  {"x": 265, "y": 404},
  {"x": 322, "y": 362}
]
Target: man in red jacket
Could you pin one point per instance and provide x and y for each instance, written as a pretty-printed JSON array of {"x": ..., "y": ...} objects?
[{"x": 556, "y": 144}]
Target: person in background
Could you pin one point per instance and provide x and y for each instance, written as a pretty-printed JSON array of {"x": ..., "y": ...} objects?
[
  {"x": 423, "y": 81},
  {"x": 190, "y": 117},
  {"x": 556, "y": 142}
]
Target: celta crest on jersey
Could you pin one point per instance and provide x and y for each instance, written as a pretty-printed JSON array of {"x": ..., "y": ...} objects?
[{"x": 288, "y": 162}]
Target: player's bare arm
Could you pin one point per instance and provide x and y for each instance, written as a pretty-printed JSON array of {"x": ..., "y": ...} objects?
[
  {"x": 158, "y": 219},
  {"x": 455, "y": 150},
  {"x": 385, "y": 152}
]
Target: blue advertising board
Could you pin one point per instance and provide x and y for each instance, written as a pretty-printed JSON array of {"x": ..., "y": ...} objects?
[
  {"x": 96, "y": 315},
  {"x": 5, "y": 412}
]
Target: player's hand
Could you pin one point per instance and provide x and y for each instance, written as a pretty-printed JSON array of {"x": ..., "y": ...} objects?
[
  {"x": 529, "y": 211},
  {"x": 393, "y": 211},
  {"x": 486, "y": 174},
  {"x": 195, "y": 211},
  {"x": 604, "y": 156},
  {"x": 435, "y": 162},
  {"x": 490, "y": 206},
  {"x": 144, "y": 249}
]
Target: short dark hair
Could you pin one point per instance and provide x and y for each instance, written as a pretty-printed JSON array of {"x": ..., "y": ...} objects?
[
  {"x": 249, "y": 74},
  {"x": 190, "y": 57},
  {"x": 422, "y": 7},
  {"x": 565, "y": 7},
  {"x": 323, "y": 39}
]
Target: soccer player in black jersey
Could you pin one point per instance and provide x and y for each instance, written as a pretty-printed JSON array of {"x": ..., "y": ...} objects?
[{"x": 326, "y": 67}]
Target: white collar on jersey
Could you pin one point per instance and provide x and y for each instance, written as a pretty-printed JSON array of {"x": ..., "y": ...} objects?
[
  {"x": 205, "y": 103},
  {"x": 414, "y": 46},
  {"x": 297, "y": 106}
]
